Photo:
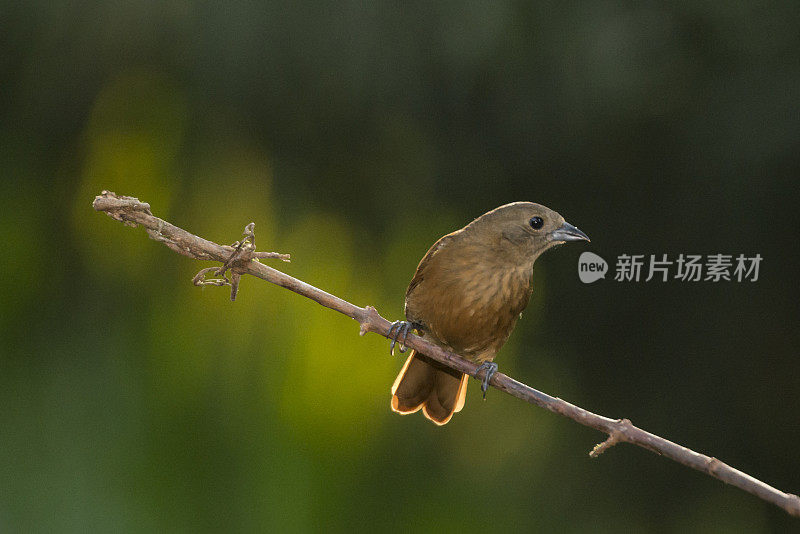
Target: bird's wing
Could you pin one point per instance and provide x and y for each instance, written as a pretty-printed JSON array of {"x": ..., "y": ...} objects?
[{"x": 423, "y": 263}]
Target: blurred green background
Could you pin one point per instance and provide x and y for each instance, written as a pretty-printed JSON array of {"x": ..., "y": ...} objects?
[{"x": 354, "y": 135}]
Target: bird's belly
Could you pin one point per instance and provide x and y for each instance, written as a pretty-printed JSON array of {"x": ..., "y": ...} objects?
[
  {"x": 471, "y": 311},
  {"x": 476, "y": 330}
]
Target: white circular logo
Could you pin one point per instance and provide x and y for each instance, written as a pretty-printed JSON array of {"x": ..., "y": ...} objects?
[{"x": 591, "y": 267}]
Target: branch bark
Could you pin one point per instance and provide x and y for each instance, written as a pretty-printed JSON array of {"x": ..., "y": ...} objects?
[{"x": 242, "y": 258}]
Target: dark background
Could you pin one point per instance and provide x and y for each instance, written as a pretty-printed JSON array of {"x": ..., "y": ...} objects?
[{"x": 354, "y": 136}]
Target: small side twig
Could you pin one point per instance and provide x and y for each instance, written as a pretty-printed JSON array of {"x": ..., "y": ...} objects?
[
  {"x": 241, "y": 258},
  {"x": 243, "y": 251},
  {"x": 617, "y": 435}
]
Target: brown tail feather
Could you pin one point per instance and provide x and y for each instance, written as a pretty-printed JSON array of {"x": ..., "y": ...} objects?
[{"x": 427, "y": 384}]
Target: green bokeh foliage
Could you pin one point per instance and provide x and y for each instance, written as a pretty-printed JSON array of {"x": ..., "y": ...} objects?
[{"x": 354, "y": 136}]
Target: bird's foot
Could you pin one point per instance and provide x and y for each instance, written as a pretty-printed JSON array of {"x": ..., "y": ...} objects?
[
  {"x": 398, "y": 329},
  {"x": 491, "y": 369}
]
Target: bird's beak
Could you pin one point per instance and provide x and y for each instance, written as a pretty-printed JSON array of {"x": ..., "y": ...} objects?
[{"x": 567, "y": 232}]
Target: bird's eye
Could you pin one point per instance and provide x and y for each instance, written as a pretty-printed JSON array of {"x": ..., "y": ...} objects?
[{"x": 536, "y": 222}]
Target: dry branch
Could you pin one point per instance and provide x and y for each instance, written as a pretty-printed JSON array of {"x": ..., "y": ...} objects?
[{"x": 242, "y": 258}]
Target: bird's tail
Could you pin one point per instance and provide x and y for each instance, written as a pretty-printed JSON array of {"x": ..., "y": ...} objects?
[{"x": 427, "y": 384}]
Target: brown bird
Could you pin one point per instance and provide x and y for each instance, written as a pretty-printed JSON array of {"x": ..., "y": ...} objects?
[{"x": 466, "y": 296}]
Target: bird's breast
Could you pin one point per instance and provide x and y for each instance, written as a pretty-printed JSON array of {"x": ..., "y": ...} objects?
[{"x": 471, "y": 308}]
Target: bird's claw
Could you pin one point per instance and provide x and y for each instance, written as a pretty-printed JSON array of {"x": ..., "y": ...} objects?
[
  {"x": 397, "y": 329},
  {"x": 491, "y": 369}
]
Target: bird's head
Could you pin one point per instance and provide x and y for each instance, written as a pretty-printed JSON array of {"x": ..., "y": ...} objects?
[{"x": 524, "y": 230}]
